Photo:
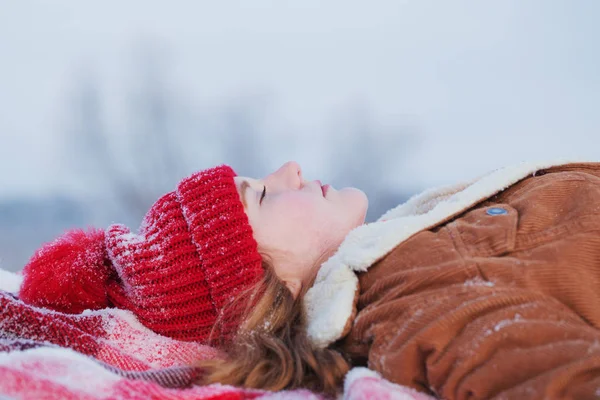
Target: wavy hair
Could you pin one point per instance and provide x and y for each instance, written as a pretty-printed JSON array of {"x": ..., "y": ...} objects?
[{"x": 271, "y": 349}]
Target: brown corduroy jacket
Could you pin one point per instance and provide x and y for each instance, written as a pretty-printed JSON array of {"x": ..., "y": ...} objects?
[{"x": 499, "y": 301}]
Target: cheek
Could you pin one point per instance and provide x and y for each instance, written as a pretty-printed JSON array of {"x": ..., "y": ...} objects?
[
  {"x": 299, "y": 221},
  {"x": 302, "y": 216},
  {"x": 281, "y": 225},
  {"x": 319, "y": 223},
  {"x": 303, "y": 225}
]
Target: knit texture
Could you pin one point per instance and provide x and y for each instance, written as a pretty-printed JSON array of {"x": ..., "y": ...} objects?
[{"x": 194, "y": 253}]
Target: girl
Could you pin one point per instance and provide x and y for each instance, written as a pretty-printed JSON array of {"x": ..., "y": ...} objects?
[{"x": 478, "y": 290}]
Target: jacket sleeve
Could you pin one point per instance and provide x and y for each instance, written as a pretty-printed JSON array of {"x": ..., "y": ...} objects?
[{"x": 477, "y": 341}]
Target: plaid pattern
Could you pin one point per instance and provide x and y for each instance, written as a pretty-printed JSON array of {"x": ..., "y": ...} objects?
[{"x": 109, "y": 354}]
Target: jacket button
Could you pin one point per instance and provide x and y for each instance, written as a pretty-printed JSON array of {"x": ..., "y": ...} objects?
[{"x": 496, "y": 211}]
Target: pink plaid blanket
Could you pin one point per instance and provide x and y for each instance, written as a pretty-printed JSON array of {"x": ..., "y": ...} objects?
[{"x": 108, "y": 354}]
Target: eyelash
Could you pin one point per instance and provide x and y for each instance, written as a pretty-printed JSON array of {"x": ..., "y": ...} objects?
[{"x": 262, "y": 196}]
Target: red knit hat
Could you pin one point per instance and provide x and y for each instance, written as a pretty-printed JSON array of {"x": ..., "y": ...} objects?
[{"x": 193, "y": 254}]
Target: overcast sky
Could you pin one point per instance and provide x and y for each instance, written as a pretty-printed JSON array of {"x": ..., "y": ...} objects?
[{"x": 486, "y": 83}]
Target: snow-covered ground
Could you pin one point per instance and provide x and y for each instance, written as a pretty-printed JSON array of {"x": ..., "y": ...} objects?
[{"x": 9, "y": 281}]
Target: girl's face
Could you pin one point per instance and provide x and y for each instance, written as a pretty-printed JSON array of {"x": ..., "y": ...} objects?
[{"x": 299, "y": 224}]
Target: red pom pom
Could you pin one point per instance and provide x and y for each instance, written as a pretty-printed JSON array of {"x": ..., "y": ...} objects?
[{"x": 69, "y": 274}]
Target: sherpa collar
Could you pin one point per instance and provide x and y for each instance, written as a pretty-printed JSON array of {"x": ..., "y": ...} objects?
[{"x": 331, "y": 302}]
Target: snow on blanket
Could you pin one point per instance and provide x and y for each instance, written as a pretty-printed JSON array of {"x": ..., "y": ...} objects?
[{"x": 108, "y": 354}]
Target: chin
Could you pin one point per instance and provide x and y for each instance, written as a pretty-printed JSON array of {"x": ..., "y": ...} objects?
[{"x": 358, "y": 202}]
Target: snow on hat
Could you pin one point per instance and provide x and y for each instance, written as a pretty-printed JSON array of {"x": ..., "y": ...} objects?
[{"x": 193, "y": 254}]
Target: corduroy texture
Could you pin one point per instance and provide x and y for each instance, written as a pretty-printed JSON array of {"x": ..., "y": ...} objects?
[
  {"x": 193, "y": 254},
  {"x": 500, "y": 302}
]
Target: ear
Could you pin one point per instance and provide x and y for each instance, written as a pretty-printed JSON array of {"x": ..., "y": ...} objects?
[{"x": 294, "y": 286}]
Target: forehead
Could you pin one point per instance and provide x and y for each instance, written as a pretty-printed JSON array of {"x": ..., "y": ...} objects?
[
  {"x": 242, "y": 184},
  {"x": 239, "y": 179}
]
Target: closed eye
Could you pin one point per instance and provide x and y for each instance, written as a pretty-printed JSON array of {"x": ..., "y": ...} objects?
[{"x": 262, "y": 196}]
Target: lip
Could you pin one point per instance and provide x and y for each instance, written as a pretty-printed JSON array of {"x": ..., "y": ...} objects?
[{"x": 325, "y": 189}]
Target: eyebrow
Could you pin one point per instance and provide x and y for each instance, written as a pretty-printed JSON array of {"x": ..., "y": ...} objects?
[{"x": 243, "y": 187}]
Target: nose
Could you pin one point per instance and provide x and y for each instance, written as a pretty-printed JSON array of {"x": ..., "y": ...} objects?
[{"x": 288, "y": 175}]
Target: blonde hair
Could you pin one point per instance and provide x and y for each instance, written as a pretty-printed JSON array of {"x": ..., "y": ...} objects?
[{"x": 271, "y": 349}]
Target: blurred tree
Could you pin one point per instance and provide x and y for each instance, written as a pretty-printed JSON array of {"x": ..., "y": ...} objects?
[
  {"x": 241, "y": 138},
  {"x": 126, "y": 166},
  {"x": 138, "y": 164},
  {"x": 163, "y": 141}
]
